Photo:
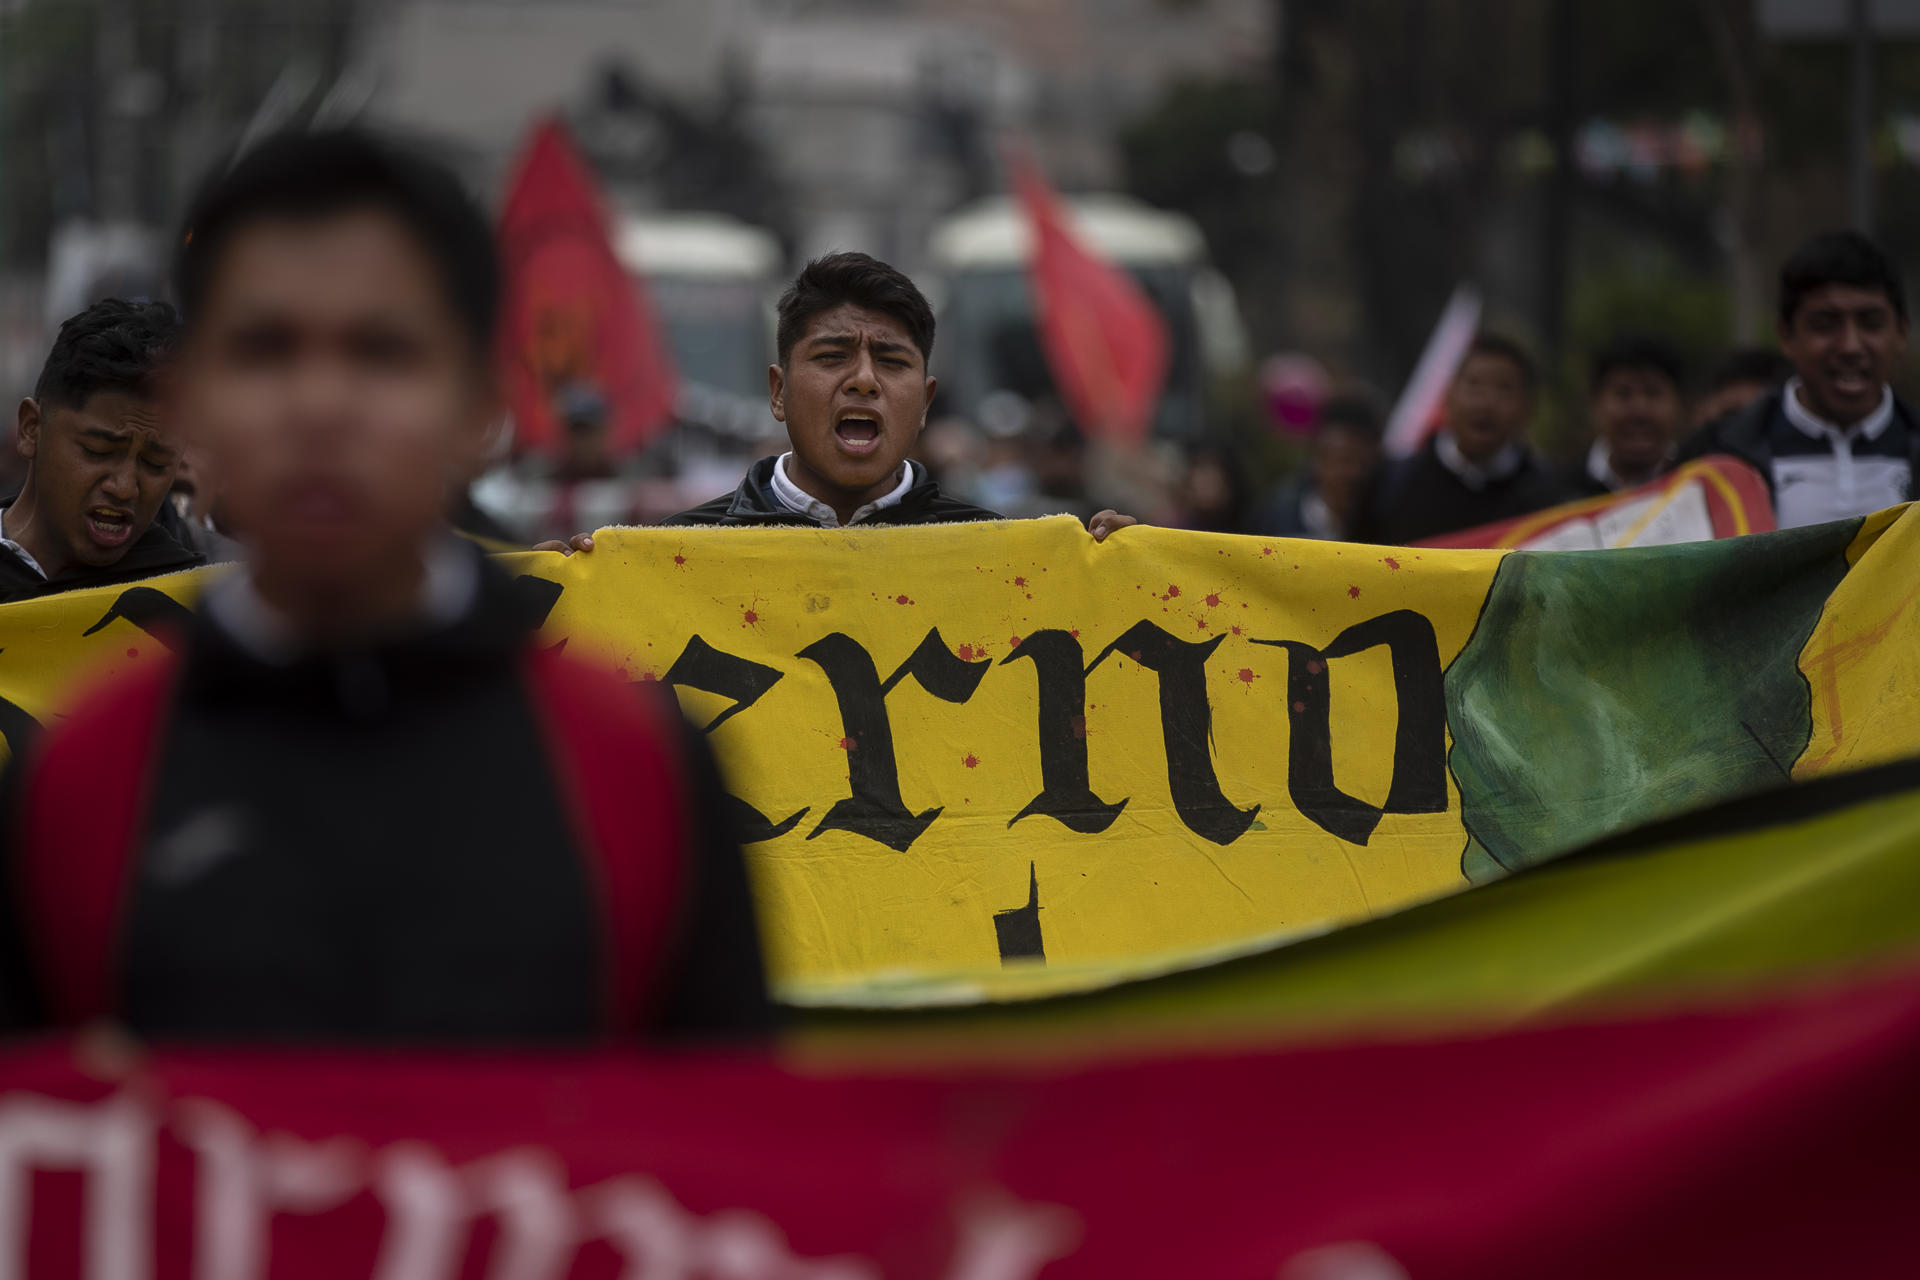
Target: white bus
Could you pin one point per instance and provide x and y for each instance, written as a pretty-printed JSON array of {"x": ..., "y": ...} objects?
[{"x": 713, "y": 280}]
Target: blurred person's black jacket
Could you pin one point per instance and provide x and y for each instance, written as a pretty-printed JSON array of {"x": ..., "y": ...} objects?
[
  {"x": 1420, "y": 497},
  {"x": 754, "y": 502},
  {"x": 400, "y": 843}
]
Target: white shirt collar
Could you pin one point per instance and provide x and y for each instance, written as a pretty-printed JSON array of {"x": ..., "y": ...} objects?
[
  {"x": 1503, "y": 464},
  {"x": 26, "y": 556},
  {"x": 1812, "y": 424},
  {"x": 447, "y": 590},
  {"x": 795, "y": 499}
]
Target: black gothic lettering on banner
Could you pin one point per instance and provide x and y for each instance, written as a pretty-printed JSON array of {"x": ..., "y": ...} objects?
[
  {"x": 17, "y": 727},
  {"x": 1065, "y": 794},
  {"x": 1419, "y": 782},
  {"x": 875, "y": 809},
  {"x": 154, "y": 612},
  {"x": 534, "y": 598},
  {"x": 1186, "y": 723},
  {"x": 703, "y": 667}
]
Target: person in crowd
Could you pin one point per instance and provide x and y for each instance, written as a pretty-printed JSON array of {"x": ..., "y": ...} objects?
[
  {"x": 1835, "y": 441},
  {"x": 1212, "y": 497},
  {"x": 1745, "y": 375},
  {"x": 101, "y": 456},
  {"x": 1478, "y": 468},
  {"x": 1322, "y": 499},
  {"x": 360, "y": 803},
  {"x": 190, "y": 513},
  {"x": 851, "y": 387},
  {"x": 1638, "y": 407}
]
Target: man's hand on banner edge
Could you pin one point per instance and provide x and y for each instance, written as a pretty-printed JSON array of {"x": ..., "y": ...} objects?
[{"x": 578, "y": 542}]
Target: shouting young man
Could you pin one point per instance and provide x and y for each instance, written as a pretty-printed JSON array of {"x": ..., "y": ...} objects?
[
  {"x": 361, "y": 803},
  {"x": 101, "y": 456},
  {"x": 852, "y": 388}
]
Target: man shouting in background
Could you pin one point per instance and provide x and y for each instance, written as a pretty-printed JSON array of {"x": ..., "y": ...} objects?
[{"x": 101, "y": 457}]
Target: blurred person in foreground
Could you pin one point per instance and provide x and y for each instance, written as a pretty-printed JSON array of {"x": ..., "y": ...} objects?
[
  {"x": 361, "y": 804},
  {"x": 1322, "y": 499},
  {"x": 1835, "y": 442},
  {"x": 1638, "y": 409},
  {"x": 101, "y": 456},
  {"x": 1742, "y": 377},
  {"x": 852, "y": 388},
  {"x": 1478, "y": 468}
]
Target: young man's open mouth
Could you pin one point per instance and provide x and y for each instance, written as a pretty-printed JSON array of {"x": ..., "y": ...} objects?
[
  {"x": 109, "y": 526},
  {"x": 858, "y": 431}
]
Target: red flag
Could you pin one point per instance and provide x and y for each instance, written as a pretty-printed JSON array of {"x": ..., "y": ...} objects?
[
  {"x": 1104, "y": 340},
  {"x": 574, "y": 320}
]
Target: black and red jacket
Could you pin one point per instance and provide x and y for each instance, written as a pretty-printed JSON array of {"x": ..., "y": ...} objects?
[{"x": 450, "y": 836}]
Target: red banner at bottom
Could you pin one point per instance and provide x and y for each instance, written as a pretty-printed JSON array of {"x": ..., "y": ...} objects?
[{"x": 1772, "y": 1142}]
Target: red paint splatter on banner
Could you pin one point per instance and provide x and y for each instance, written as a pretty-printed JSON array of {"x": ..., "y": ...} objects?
[
  {"x": 679, "y": 559},
  {"x": 648, "y": 677},
  {"x": 1075, "y": 633},
  {"x": 966, "y": 653},
  {"x": 133, "y": 653},
  {"x": 750, "y": 618},
  {"x": 972, "y": 761},
  {"x": 1213, "y": 600},
  {"x": 1013, "y": 642},
  {"x": 1390, "y": 562},
  {"x": 1079, "y": 726},
  {"x": 901, "y": 600},
  {"x": 1173, "y": 592},
  {"x": 1200, "y": 623},
  {"x": 1019, "y": 582},
  {"x": 1314, "y": 668},
  {"x": 1299, "y": 706},
  {"x": 1266, "y": 551},
  {"x": 1247, "y": 675},
  {"x": 846, "y": 744},
  {"x": 1354, "y": 592},
  {"x": 1237, "y": 630}
]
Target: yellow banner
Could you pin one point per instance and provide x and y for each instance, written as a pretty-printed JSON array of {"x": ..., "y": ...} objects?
[{"x": 991, "y": 760}]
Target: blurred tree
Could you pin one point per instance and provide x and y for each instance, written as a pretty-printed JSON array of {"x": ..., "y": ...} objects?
[{"x": 1422, "y": 142}]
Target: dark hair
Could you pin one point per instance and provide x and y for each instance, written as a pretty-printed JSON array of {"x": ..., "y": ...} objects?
[
  {"x": 1355, "y": 413},
  {"x": 312, "y": 176},
  {"x": 1838, "y": 257},
  {"x": 1498, "y": 344},
  {"x": 840, "y": 278},
  {"x": 1639, "y": 352},
  {"x": 1751, "y": 364},
  {"x": 114, "y": 345}
]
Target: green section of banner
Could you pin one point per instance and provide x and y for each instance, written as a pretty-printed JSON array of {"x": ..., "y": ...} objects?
[
  {"x": 1808, "y": 882},
  {"x": 1604, "y": 691}
]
